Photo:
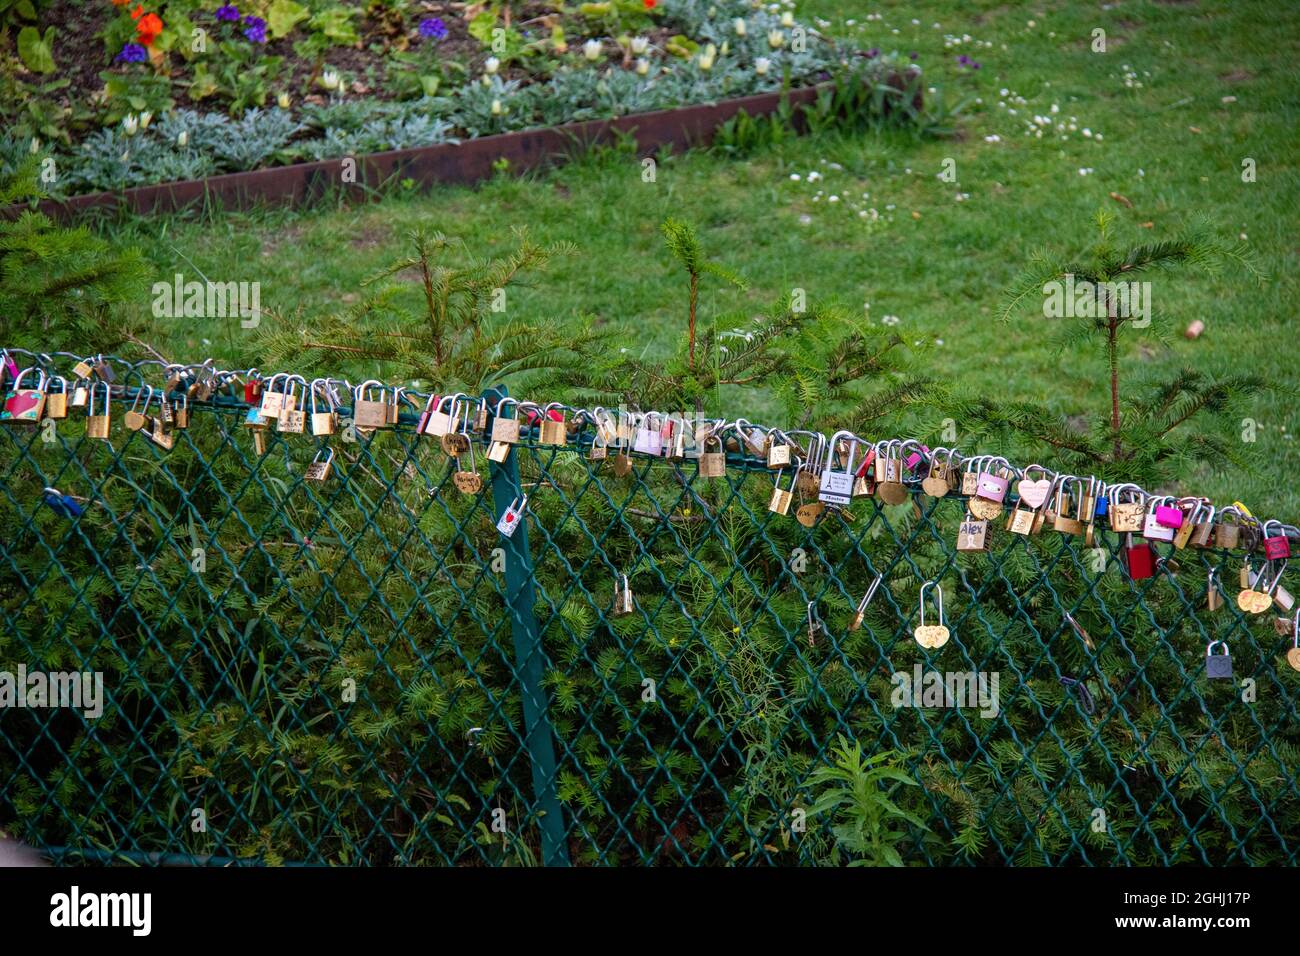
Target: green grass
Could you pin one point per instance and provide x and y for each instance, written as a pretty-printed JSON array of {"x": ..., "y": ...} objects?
[{"x": 1172, "y": 148}]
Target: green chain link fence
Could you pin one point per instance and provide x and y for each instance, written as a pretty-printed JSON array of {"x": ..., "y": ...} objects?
[{"x": 363, "y": 670}]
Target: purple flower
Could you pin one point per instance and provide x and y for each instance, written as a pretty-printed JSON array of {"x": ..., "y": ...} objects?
[
  {"x": 912, "y": 55},
  {"x": 974, "y": 66},
  {"x": 873, "y": 53},
  {"x": 228, "y": 13},
  {"x": 964, "y": 60},
  {"x": 255, "y": 29},
  {"x": 433, "y": 28},
  {"x": 132, "y": 53}
]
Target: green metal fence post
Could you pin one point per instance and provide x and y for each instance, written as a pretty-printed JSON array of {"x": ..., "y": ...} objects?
[{"x": 539, "y": 736}]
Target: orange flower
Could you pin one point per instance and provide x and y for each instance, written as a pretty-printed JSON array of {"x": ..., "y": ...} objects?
[
  {"x": 649, "y": 4},
  {"x": 147, "y": 26},
  {"x": 120, "y": 3}
]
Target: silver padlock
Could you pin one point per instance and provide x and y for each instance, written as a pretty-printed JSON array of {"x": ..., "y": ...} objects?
[
  {"x": 1218, "y": 666},
  {"x": 837, "y": 486},
  {"x": 512, "y": 517},
  {"x": 649, "y": 440}
]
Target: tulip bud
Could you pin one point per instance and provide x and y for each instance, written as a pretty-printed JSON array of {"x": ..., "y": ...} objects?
[
  {"x": 497, "y": 108},
  {"x": 775, "y": 39},
  {"x": 787, "y": 19},
  {"x": 145, "y": 119},
  {"x": 329, "y": 79},
  {"x": 738, "y": 25},
  {"x": 491, "y": 65},
  {"x": 36, "y": 144},
  {"x": 183, "y": 138},
  {"x": 761, "y": 65},
  {"x": 642, "y": 66},
  {"x": 282, "y": 101},
  {"x": 130, "y": 124},
  {"x": 707, "y": 57},
  {"x": 591, "y": 50},
  {"x": 640, "y": 45}
]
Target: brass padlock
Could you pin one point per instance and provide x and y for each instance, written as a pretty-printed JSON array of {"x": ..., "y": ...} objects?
[
  {"x": 323, "y": 422},
  {"x": 97, "y": 424},
  {"x": 713, "y": 464},
  {"x": 972, "y": 535},
  {"x": 56, "y": 403},
  {"x": 1063, "y": 522},
  {"x": 369, "y": 412},
  {"x": 553, "y": 432},
  {"x": 136, "y": 417},
  {"x": 293, "y": 417},
  {"x": 782, "y": 498},
  {"x": 504, "y": 429},
  {"x": 319, "y": 469}
]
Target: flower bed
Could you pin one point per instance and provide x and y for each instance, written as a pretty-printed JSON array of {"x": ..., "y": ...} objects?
[{"x": 122, "y": 94}]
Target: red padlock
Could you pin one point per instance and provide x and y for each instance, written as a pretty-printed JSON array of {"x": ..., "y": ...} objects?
[
  {"x": 1140, "y": 560},
  {"x": 253, "y": 391},
  {"x": 1277, "y": 547}
]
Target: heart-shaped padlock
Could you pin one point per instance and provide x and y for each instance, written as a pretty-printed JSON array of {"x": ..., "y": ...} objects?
[
  {"x": 468, "y": 482},
  {"x": 1034, "y": 493}
]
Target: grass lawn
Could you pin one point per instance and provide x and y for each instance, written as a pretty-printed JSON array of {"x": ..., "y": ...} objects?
[{"x": 1211, "y": 84}]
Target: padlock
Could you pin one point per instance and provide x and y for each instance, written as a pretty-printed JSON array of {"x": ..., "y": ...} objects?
[
  {"x": 368, "y": 411},
  {"x": 395, "y": 406},
  {"x": 836, "y": 487},
  {"x": 136, "y": 418},
  {"x": 1202, "y": 521},
  {"x": 599, "y": 449},
  {"x": 273, "y": 398},
  {"x": 931, "y": 636},
  {"x": 1213, "y": 592},
  {"x": 181, "y": 412},
  {"x": 1022, "y": 519},
  {"x": 457, "y": 441},
  {"x": 1126, "y": 516},
  {"x": 1169, "y": 516},
  {"x": 512, "y": 517},
  {"x": 622, "y": 599},
  {"x": 159, "y": 433},
  {"x": 253, "y": 388},
  {"x": 938, "y": 480},
  {"x": 781, "y": 497},
  {"x": 80, "y": 394},
  {"x": 778, "y": 450},
  {"x": 103, "y": 370},
  {"x": 1227, "y": 533},
  {"x": 292, "y": 417},
  {"x": 467, "y": 480},
  {"x": 97, "y": 424},
  {"x": 713, "y": 461},
  {"x": 1062, "y": 522},
  {"x": 82, "y": 370},
  {"x": 1152, "y": 527},
  {"x": 24, "y": 405},
  {"x": 56, "y": 403},
  {"x": 1139, "y": 560},
  {"x": 553, "y": 430},
  {"x": 972, "y": 535},
  {"x": 1218, "y": 666},
  {"x": 861, "y": 612},
  {"x": 648, "y": 439},
  {"x": 1277, "y": 547},
  {"x": 323, "y": 422}
]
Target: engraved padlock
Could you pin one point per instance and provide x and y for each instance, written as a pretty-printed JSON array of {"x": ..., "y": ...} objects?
[
  {"x": 1218, "y": 666},
  {"x": 837, "y": 483},
  {"x": 1152, "y": 527}
]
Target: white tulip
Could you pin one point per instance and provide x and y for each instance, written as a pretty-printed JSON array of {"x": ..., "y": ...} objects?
[
  {"x": 591, "y": 50},
  {"x": 761, "y": 65},
  {"x": 642, "y": 66},
  {"x": 640, "y": 45},
  {"x": 787, "y": 19},
  {"x": 36, "y": 144},
  {"x": 738, "y": 25},
  {"x": 708, "y": 56},
  {"x": 282, "y": 101},
  {"x": 145, "y": 119},
  {"x": 329, "y": 79},
  {"x": 497, "y": 108},
  {"x": 130, "y": 124},
  {"x": 183, "y": 138},
  {"x": 775, "y": 39},
  {"x": 491, "y": 64}
]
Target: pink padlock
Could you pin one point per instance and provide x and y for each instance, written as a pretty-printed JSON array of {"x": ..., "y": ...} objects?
[
  {"x": 1168, "y": 516},
  {"x": 991, "y": 486},
  {"x": 916, "y": 458}
]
